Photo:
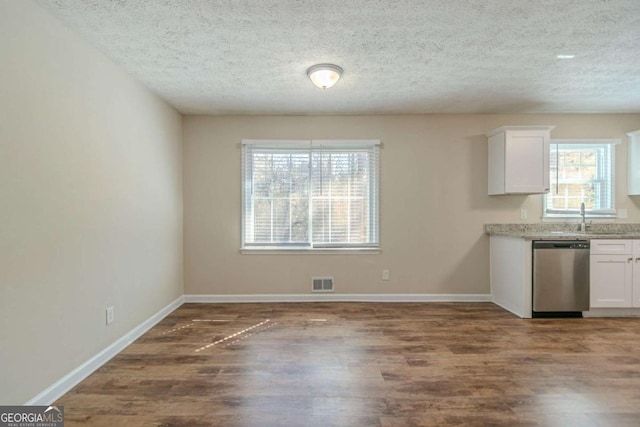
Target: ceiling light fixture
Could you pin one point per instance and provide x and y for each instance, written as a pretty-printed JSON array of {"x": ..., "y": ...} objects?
[
  {"x": 324, "y": 75},
  {"x": 565, "y": 56}
]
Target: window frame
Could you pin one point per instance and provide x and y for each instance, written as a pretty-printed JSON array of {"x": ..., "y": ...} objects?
[
  {"x": 310, "y": 146},
  {"x": 573, "y": 214}
]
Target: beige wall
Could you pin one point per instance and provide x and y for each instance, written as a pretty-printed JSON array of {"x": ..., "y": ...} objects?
[
  {"x": 434, "y": 201},
  {"x": 90, "y": 202}
]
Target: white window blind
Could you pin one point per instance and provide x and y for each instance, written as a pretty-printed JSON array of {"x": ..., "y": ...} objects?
[
  {"x": 581, "y": 171},
  {"x": 310, "y": 194}
]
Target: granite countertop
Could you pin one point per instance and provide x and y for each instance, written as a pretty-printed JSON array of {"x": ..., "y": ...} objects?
[{"x": 548, "y": 231}]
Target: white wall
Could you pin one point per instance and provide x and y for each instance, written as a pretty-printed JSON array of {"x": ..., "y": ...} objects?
[
  {"x": 90, "y": 201},
  {"x": 434, "y": 201}
]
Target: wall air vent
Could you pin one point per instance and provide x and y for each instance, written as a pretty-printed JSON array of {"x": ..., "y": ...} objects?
[{"x": 322, "y": 284}]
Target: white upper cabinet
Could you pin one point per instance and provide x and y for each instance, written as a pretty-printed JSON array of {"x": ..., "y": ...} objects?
[
  {"x": 519, "y": 160},
  {"x": 633, "y": 174}
]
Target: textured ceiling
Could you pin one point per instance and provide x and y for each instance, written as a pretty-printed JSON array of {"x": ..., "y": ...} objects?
[{"x": 398, "y": 56}]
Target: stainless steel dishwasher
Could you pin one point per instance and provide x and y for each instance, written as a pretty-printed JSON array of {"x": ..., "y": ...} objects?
[{"x": 560, "y": 277}]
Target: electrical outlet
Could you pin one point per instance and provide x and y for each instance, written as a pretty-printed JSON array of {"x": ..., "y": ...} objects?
[
  {"x": 385, "y": 274},
  {"x": 109, "y": 315},
  {"x": 523, "y": 214},
  {"x": 622, "y": 213}
]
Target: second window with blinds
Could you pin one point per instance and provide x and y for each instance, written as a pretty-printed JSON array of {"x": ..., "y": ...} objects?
[
  {"x": 310, "y": 194},
  {"x": 581, "y": 171}
]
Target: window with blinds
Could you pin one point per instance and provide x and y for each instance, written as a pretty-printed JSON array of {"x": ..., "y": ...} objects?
[
  {"x": 581, "y": 171},
  {"x": 310, "y": 194}
]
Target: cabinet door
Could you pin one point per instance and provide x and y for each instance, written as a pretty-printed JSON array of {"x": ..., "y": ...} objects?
[
  {"x": 527, "y": 162},
  {"x": 611, "y": 279},
  {"x": 635, "y": 293}
]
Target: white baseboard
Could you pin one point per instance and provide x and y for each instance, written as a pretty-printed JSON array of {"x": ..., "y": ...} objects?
[
  {"x": 324, "y": 297},
  {"x": 66, "y": 383}
]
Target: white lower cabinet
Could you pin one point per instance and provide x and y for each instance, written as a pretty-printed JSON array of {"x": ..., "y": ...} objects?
[
  {"x": 615, "y": 273},
  {"x": 611, "y": 279},
  {"x": 635, "y": 291},
  {"x": 511, "y": 274}
]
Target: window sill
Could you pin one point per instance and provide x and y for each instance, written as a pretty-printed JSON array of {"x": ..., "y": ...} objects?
[
  {"x": 568, "y": 219},
  {"x": 310, "y": 251}
]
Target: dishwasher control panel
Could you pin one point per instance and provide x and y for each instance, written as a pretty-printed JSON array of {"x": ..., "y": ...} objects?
[
  {"x": 580, "y": 246},
  {"x": 561, "y": 244}
]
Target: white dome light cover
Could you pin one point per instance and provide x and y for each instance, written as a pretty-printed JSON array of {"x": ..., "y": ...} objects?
[{"x": 324, "y": 75}]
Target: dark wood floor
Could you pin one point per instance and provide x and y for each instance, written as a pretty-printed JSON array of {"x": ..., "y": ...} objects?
[{"x": 363, "y": 364}]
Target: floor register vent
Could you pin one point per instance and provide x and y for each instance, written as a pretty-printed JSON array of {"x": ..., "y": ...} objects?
[{"x": 322, "y": 284}]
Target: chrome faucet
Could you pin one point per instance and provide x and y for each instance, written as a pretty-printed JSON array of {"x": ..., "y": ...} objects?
[{"x": 583, "y": 224}]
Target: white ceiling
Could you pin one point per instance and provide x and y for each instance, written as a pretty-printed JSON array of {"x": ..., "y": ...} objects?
[{"x": 398, "y": 56}]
